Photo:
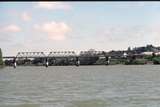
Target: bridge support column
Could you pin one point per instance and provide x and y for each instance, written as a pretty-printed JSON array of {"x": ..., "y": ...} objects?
[
  {"x": 77, "y": 61},
  {"x": 67, "y": 61},
  {"x": 108, "y": 60},
  {"x": 46, "y": 62},
  {"x": 14, "y": 63},
  {"x": 54, "y": 61}
]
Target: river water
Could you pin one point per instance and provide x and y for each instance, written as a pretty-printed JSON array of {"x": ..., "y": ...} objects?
[{"x": 83, "y": 86}]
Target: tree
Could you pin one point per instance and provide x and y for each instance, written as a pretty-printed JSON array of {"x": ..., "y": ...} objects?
[
  {"x": 129, "y": 49},
  {"x": 1, "y": 59},
  {"x": 156, "y": 60}
]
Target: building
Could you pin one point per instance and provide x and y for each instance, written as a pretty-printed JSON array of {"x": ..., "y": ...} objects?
[{"x": 147, "y": 53}]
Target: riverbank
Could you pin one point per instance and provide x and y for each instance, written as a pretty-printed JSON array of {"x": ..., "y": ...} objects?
[
  {"x": 84, "y": 65},
  {"x": 92, "y": 61}
]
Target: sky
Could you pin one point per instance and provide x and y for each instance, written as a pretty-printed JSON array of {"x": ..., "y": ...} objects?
[{"x": 77, "y": 26}]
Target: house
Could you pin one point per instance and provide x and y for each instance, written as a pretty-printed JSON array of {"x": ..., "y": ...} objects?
[
  {"x": 157, "y": 53},
  {"x": 146, "y": 53}
]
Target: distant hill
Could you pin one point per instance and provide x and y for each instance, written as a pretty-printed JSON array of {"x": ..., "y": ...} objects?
[
  {"x": 148, "y": 48},
  {"x": 136, "y": 50}
]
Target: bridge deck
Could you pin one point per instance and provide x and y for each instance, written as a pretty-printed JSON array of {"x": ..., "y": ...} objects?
[{"x": 12, "y": 57}]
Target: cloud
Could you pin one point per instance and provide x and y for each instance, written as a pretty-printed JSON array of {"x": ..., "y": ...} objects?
[
  {"x": 54, "y": 30},
  {"x": 11, "y": 28},
  {"x": 25, "y": 16},
  {"x": 8, "y": 33},
  {"x": 53, "y": 5},
  {"x": 130, "y": 4},
  {"x": 129, "y": 35}
]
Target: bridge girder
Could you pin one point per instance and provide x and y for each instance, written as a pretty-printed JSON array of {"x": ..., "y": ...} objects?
[
  {"x": 62, "y": 54},
  {"x": 55, "y": 54},
  {"x": 30, "y": 54}
]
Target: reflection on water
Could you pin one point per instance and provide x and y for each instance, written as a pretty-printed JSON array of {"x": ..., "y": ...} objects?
[
  {"x": 84, "y": 86},
  {"x": 90, "y": 103},
  {"x": 22, "y": 105}
]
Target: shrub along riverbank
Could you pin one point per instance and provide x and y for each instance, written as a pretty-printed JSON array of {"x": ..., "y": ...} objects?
[
  {"x": 148, "y": 59},
  {"x": 1, "y": 60},
  {"x": 88, "y": 61}
]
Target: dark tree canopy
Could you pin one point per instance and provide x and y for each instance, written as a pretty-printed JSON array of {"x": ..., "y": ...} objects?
[
  {"x": 129, "y": 49},
  {"x": 1, "y": 60}
]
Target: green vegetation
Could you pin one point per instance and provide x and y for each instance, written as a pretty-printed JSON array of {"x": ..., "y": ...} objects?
[
  {"x": 114, "y": 62},
  {"x": 149, "y": 58},
  {"x": 100, "y": 62},
  {"x": 136, "y": 62},
  {"x": 156, "y": 60},
  {"x": 1, "y": 60}
]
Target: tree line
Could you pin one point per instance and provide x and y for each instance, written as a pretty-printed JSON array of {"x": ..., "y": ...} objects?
[{"x": 1, "y": 59}]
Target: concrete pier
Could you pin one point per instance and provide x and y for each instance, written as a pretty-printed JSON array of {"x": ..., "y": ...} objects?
[
  {"x": 46, "y": 63},
  {"x": 108, "y": 60},
  {"x": 77, "y": 61},
  {"x": 15, "y": 64}
]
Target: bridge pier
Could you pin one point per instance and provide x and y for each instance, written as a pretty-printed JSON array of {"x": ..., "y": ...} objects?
[
  {"x": 14, "y": 63},
  {"x": 54, "y": 61},
  {"x": 67, "y": 61},
  {"x": 77, "y": 61},
  {"x": 108, "y": 60},
  {"x": 46, "y": 63}
]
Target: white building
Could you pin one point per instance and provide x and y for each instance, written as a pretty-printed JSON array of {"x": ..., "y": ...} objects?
[
  {"x": 125, "y": 54},
  {"x": 147, "y": 53},
  {"x": 157, "y": 53}
]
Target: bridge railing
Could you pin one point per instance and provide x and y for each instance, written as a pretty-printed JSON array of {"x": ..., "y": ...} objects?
[
  {"x": 30, "y": 54},
  {"x": 62, "y": 54}
]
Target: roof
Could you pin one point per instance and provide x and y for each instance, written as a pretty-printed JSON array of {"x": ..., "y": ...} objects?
[{"x": 147, "y": 53}]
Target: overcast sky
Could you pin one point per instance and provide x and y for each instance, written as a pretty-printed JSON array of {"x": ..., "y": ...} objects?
[{"x": 53, "y": 26}]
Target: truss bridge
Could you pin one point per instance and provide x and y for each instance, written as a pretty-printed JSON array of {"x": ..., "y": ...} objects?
[{"x": 54, "y": 57}]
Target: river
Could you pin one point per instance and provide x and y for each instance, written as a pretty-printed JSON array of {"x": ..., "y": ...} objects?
[{"x": 83, "y": 86}]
